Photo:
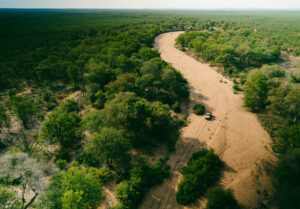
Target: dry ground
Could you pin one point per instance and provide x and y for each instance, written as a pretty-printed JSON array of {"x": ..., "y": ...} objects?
[{"x": 234, "y": 133}]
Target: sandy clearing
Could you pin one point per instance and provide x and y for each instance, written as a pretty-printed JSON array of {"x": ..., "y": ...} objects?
[{"x": 235, "y": 134}]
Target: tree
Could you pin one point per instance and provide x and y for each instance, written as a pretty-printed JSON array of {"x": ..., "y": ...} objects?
[
  {"x": 287, "y": 174},
  {"x": 25, "y": 109},
  {"x": 203, "y": 170},
  {"x": 293, "y": 103},
  {"x": 256, "y": 91},
  {"x": 80, "y": 189},
  {"x": 72, "y": 188},
  {"x": 99, "y": 74},
  {"x": 144, "y": 123},
  {"x": 110, "y": 146},
  {"x": 125, "y": 82},
  {"x": 64, "y": 128},
  {"x": 199, "y": 109},
  {"x": 74, "y": 75},
  {"x": 31, "y": 174},
  {"x": 147, "y": 53},
  {"x": 219, "y": 198},
  {"x": 277, "y": 101}
]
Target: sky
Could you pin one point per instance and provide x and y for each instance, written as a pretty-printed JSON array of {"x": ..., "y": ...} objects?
[{"x": 153, "y": 4}]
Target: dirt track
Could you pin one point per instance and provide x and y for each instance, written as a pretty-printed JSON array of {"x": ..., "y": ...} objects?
[{"x": 234, "y": 133}]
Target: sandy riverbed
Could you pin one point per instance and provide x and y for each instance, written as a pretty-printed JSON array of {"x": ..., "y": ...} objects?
[{"x": 234, "y": 133}]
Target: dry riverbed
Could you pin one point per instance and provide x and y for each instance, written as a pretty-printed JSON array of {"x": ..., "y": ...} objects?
[{"x": 234, "y": 133}]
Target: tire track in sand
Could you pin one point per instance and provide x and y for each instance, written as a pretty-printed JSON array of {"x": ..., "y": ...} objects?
[{"x": 235, "y": 134}]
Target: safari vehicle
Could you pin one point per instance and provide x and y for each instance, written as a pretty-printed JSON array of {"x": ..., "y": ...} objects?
[{"x": 208, "y": 116}]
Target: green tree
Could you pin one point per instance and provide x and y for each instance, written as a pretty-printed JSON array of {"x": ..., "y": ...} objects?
[
  {"x": 125, "y": 82},
  {"x": 293, "y": 103},
  {"x": 144, "y": 123},
  {"x": 81, "y": 190},
  {"x": 64, "y": 128},
  {"x": 219, "y": 198},
  {"x": 25, "y": 109},
  {"x": 203, "y": 170},
  {"x": 287, "y": 174},
  {"x": 111, "y": 147},
  {"x": 147, "y": 53},
  {"x": 74, "y": 75},
  {"x": 256, "y": 91}
]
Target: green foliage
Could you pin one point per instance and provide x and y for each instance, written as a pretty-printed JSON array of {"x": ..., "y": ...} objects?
[
  {"x": 219, "y": 198},
  {"x": 3, "y": 116},
  {"x": 8, "y": 199},
  {"x": 63, "y": 127},
  {"x": 74, "y": 188},
  {"x": 147, "y": 53},
  {"x": 289, "y": 137},
  {"x": 61, "y": 164},
  {"x": 287, "y": 175},
  {"x": 143, "y": 176},
  {"x": 230, "y": 49},
  {"x": 69, "y": 106},
  {"x": 110, "y": 147},
  {"x": 273, "y": 71},
  {"x": 103, "y": 174},
  {"x": 203, "y": 171},
  {"x": 159, "y": 82},
  {"x": 25, "y": 109},
  {"x": 199, "y": 109},
  {"x": 293, "y": 103},
  {"x": 144, "y": 123},
  {"x": 256, "y": 91},
  {"x": 295, "y": 79},
  {"x": 124, "y": 82},
  {"x": 81, "y": 189}
]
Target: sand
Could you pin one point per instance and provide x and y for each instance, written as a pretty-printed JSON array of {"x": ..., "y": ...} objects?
[{"x": 234, "y": 133}]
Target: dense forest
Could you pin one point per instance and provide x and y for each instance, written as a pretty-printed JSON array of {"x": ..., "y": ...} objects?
[{"x": 85, "y": 101}]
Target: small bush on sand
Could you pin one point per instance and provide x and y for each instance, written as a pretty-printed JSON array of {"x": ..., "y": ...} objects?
[{"x": 199, "y": 109}]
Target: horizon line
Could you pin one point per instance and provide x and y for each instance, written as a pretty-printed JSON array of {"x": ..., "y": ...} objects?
[{"x": 168, "y": 8}]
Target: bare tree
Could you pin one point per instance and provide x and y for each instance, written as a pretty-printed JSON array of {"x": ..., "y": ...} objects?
[{"x": 31, "y": 174}]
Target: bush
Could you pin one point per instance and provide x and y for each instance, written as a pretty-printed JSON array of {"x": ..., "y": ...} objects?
[
  {"x": 220, "y": 198},
  {"x": 256, "y": 91},
  {"x": 176, "y": 107},
  {"x": 199, "y": 109},
  {"x": 287, "y": 175},
  {"x": 202, "y": 171},
  {"x": 295, "y": 79},
  {"x": 61, "y": 164},
  {"x": 103, "y": 174},
  {"x": 143, "y": 176}
]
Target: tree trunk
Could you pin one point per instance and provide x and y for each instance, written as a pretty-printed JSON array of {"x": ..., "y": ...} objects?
[{"x": 31, "y": 201}]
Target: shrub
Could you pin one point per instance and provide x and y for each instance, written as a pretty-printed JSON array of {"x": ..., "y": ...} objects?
[
  {"x": 176, "y": 107},
  {"x": 256, "y": 91},
  {"x": 287, "y": 174},
  {"x": 199, "y": 109},
  {"x": 61, "y": 164},
  {"x": 143, "y": 176},
  {"x": 295, "y": 79},
  {"x": 202, "y": 171},
  {"x": 220, "y": 198}
]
